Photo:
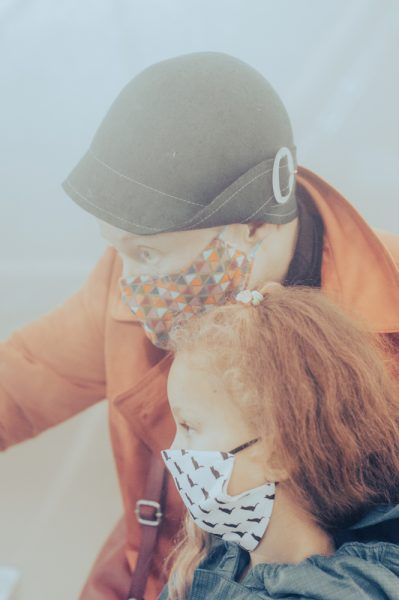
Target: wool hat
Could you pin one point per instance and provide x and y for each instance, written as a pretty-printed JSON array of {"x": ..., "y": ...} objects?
[{"x": 198, "y": 140}]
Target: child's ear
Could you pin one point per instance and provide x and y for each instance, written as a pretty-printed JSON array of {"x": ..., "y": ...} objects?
[
  {"x": 273, "y": 475},
  {"x": 274, "y": 470},
  {"x": 267, "y": 461}
]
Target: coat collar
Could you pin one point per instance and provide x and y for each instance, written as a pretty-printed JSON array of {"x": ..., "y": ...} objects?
[
  {"x": 119, "y": 310},
  {"x": 358, "y": 272}
]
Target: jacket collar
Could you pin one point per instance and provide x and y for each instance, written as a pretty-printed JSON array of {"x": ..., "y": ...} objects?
[
  {"x": 377, "y": 515},
  {"x": 358, "y": 272}
]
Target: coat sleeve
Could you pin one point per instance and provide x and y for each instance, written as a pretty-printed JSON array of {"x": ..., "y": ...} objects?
[{"x": 54, "y": 367}]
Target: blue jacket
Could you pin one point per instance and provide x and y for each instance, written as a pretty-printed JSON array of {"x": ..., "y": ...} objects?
[{"x": 365, "y": 566}]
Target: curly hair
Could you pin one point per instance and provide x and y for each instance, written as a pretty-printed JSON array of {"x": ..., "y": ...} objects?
[{"x": 321, "y": 385}]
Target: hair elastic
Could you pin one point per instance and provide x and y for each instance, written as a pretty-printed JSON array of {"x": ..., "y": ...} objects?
[{"x": 249, "y": 297}]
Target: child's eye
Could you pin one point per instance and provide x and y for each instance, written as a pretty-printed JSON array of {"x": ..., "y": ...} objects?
[{"x": 186, "y": 427}]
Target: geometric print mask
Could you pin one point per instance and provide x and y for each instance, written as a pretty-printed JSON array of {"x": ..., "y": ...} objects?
[
  {"x": 214, "y": 276},
  {"x": 202, "y": 478}
]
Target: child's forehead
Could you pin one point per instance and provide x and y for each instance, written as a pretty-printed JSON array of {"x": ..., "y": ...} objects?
[
  {"x": 194, "y": 388},
  {"x": 191, "y": 374},
  {"x": 191, "y": 412}
]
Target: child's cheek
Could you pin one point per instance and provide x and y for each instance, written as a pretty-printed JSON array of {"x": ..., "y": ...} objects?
[{"x": 245, "y": 476}]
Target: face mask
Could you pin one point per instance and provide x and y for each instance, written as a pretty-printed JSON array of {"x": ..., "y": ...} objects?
[
  {"x": 202, "y": 478},
  {"x": 220, "y": 271}
]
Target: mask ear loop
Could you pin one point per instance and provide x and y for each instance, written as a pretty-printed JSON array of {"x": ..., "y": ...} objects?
[
  {"x": 251, "y": 252},
  {"x": 251, "y": 255},
  {"x": 243, "y": 446},
  {"x": 256, "y": 247},
  {"x": 219, "y": 235}
]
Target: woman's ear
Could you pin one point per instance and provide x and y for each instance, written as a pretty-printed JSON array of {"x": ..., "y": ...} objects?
[{"x": 256, "y": 231}]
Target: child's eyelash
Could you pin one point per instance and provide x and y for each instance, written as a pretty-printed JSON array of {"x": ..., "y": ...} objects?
[{"x": 185, "y": 426}]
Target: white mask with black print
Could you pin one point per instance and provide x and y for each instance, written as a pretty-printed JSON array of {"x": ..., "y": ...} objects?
[{"x": 202, "y": 478}]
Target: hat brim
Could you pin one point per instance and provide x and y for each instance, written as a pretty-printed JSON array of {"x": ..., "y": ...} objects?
[{"x": 141, "y": 209}]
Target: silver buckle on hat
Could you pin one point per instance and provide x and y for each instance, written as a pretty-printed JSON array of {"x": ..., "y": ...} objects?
[
  {"x": 152, "y": 504},
  {"x": 284, "y": 152}
]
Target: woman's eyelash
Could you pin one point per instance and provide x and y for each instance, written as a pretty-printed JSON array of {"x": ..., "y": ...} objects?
[{"x": 144, "y": 253}]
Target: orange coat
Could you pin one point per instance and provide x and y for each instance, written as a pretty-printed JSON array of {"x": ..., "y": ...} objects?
[{"x": 90, "y": 348}]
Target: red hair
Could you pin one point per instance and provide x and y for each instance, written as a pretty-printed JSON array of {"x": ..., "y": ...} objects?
[{"x": 323, "y": 387}]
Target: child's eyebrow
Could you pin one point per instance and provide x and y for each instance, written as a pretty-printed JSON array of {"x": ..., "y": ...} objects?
[{"x": 184, "y": 415}]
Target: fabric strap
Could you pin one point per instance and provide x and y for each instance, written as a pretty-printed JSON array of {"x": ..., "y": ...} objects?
[{"x": 149, "y": 514}]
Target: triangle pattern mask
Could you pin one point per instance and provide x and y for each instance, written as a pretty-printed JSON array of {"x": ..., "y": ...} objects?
[{"x": 215, "y": 276}]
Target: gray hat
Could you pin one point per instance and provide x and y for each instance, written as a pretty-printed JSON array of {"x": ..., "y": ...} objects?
[{"x": 199, "y": 140}]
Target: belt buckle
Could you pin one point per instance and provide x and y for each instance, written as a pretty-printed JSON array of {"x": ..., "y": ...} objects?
[{"x": 150, "y": 503}]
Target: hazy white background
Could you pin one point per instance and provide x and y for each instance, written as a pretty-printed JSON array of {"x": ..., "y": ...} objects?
[{"x": 335, "y": 65}]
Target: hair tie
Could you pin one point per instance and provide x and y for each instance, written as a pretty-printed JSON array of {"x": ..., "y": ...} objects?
[{"x": 250, "y": 297}]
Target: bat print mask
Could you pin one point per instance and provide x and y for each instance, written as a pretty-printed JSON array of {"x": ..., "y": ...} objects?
[{"x": 202, "y": 478}]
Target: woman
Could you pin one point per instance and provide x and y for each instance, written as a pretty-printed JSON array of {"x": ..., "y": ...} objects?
[
  {"x": 286, "y": 453},
  {"x": 188, "y": 147}
]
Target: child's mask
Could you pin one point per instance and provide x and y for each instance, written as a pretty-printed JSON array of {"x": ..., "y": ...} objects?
[
  {"x": 220, "y": 271},
  {"x": 202, "y": 479}
]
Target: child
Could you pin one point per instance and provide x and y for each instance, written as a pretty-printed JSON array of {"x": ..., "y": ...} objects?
[{"x": 286, "y": 453}]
